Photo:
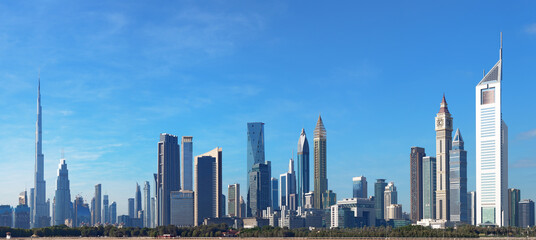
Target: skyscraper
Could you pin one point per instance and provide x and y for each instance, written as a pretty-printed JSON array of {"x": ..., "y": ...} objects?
[
  {"x": 168, "y": 178},
  {"x": 275, "y": 194},
  {"x": 105, "y": 209},
  {"x": 39, "y": 208},
  {"x": 429, "y": 187},
  {"x": 303, "y": 168},
  {"x": 458, "y": 180},
  {"x": 137, "y": 202},
  {"x": 320, "y": 148},
  {"x": 98, "y": 204},
  {"x": 491, "y": 150},
  {"x": 287, "y": 186},
  {"x": 208, "y": 186},
  {"x": 113, "y": 213},
  {"x": 259, "y": 188},
  {"x": 514, "y": 197},
  {"x": 390, "y": 197},
  {"x": 416, "y": 155},
  {"x": 472, "y": 206},
  {"x": 182, "y": 208},
  {"x": 186, "y": 162},
  {"x": 526, "y": 213},
  {"x": 443, "y": 128},
  {"x": 62, "y": 206},
  {"x": 147, "y": 204},
  {"x": 379, "y": 190},
  {"x": 131, "y": 208},
  {"x": 21, "y": 214},
  {"x": 255, "y": 153},
  {"x": 360, "y": 187},
  {"x": 234, "y": 200}
]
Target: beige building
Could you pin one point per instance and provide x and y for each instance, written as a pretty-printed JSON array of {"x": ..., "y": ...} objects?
[{"x": 443, "y": 128}]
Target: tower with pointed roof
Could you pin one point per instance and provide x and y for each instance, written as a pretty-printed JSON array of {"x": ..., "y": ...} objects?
[
  {"x": 320, "y": 163},
  {"x": 443, "y": 128},
  {"x": 491, "y": 150},
  {"x": 302, "y": 184},
  {"x": 39, "y": 208},
  {"x": 458, "y": 180}
]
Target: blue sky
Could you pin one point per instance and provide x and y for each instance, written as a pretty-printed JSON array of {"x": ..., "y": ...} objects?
[{"x": 115, "y": 74}]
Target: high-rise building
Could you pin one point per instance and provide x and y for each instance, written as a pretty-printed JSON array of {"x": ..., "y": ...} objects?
[
  {"x": 390, "y": 196},
  {"x": 186, "y": 162},
  {"x": 23, "y": 198},
  {"x": 379, "y": 190},
  {"x": 234, "y": 200},
  {"x": 147, "y": 204},
  {"x": 394, "y": 211},
  {"x": 287, "y": 186},
  {"x": 62, "y": 204},
  {"x": 471, "y": 206},
  {"x": 514, "y": 197},
  {"x": 360, "y": 187},
  {"x": 458, "y": 180},
  {"x": 491, "y": 150},
  {"x": 105, "y": 209},
  {"x": 182, "y": 208},
  {"x": 32, "y": 205},
  {"x": 208, "y": 186},
  {"x": 137, "y": 201},
  {"x": 223, "y": 200},
  {"x": 98, "y": 203},
  {"x": 242, "y": 207},
  {"x": 275, "y": 194},
  {"x": 168, "y": 177},
  {"x": 6, "y": 216},
  {"x": 416, "y": 194},
  {"x": 21, "y": 216},
  {"x": 113, "y": 213},
  {"x": 39, "y": 207},
  {"x": 131, "y": 208},
  {"x": 259, "y": 188},
  {"x": 302, "y": 176},
  {"x": 255, "y": 153},
  {"x": 443, "y": 128},
  {"x": 329, "y": 198},
  {"x": 526, "y": 213},
  {"x": 429, "y": 187},
  {"x": 320, "y": 162}
]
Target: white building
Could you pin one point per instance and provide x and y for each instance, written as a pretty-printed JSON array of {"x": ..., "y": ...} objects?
[{"x": 491, "y": 150}]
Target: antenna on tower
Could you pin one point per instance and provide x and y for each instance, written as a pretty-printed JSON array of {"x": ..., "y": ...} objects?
[
  {"x": 483, "y": 72},
  {"x": 500, "y": 51}
]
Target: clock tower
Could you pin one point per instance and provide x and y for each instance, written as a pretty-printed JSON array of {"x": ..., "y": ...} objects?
[{"x": 443, "y": 128}]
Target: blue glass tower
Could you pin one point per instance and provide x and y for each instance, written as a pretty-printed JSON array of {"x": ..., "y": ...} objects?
[
  {"x": 62, "y": 205},
  {"x": 255, "y": 153},
  {"x": 360, "y": 187},
  {"x": 458, "y": 180},
  {"x": 275, "y": 194},
  {"x": 303, "y": 168}
]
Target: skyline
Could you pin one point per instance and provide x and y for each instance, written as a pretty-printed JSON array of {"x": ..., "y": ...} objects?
[{"x": 95, "y": 142}]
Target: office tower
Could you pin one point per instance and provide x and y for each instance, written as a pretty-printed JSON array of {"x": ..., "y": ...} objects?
[
  {"x": 92, "y": 222},
  {"x": 259, "y": 188},
  {"x": 208, "y": 186},
  {"x": 137, "y": 201},
  {"x": 491, "y": 150},
  {"x": 152, "y": 215},
  {"x": 379, "y": 190},
  {"x": 39, "y": 208},
  {"x": 514, "y": 197},
  {"x": 329, "y": 198},
  {"x": 131, "y": 208},
  {"x": 526, "y": 213},
  {"x": 471, "y": 206},
  {"x": 458, "y": 180},
  {"x": 390, "y": 197},
  {"x": 31, "y": 201},
  {"x": 62, "y": 203},
  {"x": 287, "y": 186},
  {"x": 275, "y": 194},
  {"x": 242, "y": 207},
  {"x": 147, "y": 204},
  {"x": 82, "y": 215},
  {"x": 234, "y": 200},
  {"x": 360, "y": 187},
  {"x": 416, "y": 155},
  {"x": 168, "y": 178},
  {"x": 320, "y": 178},
  {"x": 98, "y": 202},
  {"x": 6, "y": 216},
  {"x": 303, "y": 168},
  {"x": 23, "y": 198},
  {"x": 105, "y": 209},
  {"x": 182, "y": 208},
  {"x": 113, "y": 213},
  {"x": 255, "y": 153},
  {"x": 443, "y": 128},
  {"x": 429, "y": 187},
  {"x": 21, "y": 216},
  {"x": 186, "y": 162}
]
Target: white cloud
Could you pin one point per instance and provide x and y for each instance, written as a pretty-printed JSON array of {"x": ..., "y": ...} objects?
[
  {"x": 531, "y": 28},
  {"x": 524, "y": 163},
  {"x": 528, "y": 134}
]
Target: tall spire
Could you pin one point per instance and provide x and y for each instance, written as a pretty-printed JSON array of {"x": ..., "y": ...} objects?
[
  {"x": 444, "y": 108},
  {"x": 500, "y": 50},
  {"x": 320, "y": 130}
]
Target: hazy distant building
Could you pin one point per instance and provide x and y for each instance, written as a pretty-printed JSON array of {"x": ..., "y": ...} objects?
[
  {"x": 329, "y": 198},
  {"x": 21, "y": 216},
  {"x": 208, "y": 186},
  {"x": 255, "y": 153},
  {"x": 302, "y": 175},
  {"x": 390, "y": 196},
  {"x": 131, "y": 208},
  {"x": 186, "y": 162},
  {"x": 353, "y": 212},
  {"x": 275, "y": 194},
  {"x": 168, "y": 177},
  {"x": 182, "y": 208},
  {"x": 416, "y": 194},
  {"x": 443, "y": 128},
  {"x": 287, "y": 186},
  {"x": 137, "y": 201},
  {"x": 98, "y": 204},
  {"x": 379, "y": 204},
  {"x": 429, "y": 187},
  {"x": 242, "y": 207},
  {"x": 360, "y": 187},
  {"x": 526, "y": 213},
  {"x": 147, "y": 205},
  {"x": 6, "y": 216},
  {"x": 105, "y": 209},
  {"x": 514, "y": 197},
  {"x": 458, "y": 180},
  {"x": 259, "y": 188},
  {"x": 82, "y": 214},
  {"x": 320, "y": 162},
  {"x": 491, "y": 150},
  {"x": 234, "y": 200},
  {"x": 113, "y": 213},
  {"x": 39, "y": 208},
  {"x": 62, "y": 203}
]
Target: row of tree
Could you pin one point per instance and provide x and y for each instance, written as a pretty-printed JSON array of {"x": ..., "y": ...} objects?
[{"x": 268, "y": 231}]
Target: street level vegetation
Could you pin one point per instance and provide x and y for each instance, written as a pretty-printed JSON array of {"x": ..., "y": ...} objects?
[{"x": 267, "y": 231}]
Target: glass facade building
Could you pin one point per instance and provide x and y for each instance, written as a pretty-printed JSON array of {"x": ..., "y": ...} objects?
[
  {"x": 255, "y": 153},
  {"x": 416, "y": 155},
  {"x": 458, "y": 180},
  {"x": 302, "y": 177},
  {"x": 360, "y": 187},
  {"x": 514, "y": 197},
  {"x": 379, "y": 189},
  {"x": 429, "y": 187}
]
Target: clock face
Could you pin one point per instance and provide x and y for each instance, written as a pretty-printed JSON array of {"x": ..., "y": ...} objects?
[{"x": 439, "y": 122}]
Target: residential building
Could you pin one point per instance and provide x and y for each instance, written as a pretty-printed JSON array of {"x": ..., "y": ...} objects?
[{"x": 416, "y": 180}]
